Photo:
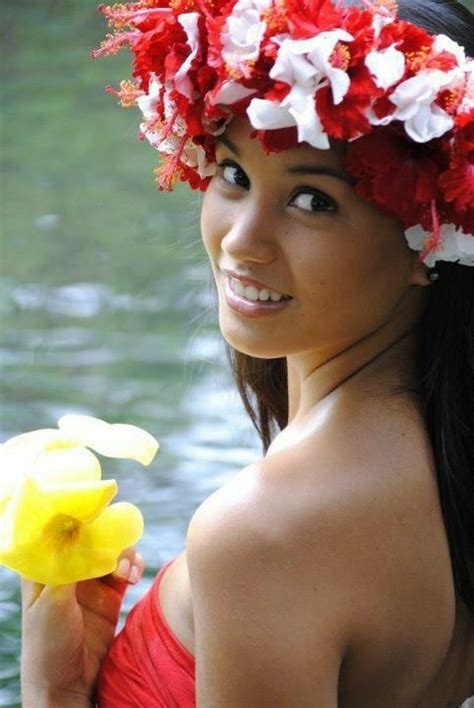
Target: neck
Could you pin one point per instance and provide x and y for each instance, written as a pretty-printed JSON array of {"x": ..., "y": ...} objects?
[{"x": 383, "y": 357}]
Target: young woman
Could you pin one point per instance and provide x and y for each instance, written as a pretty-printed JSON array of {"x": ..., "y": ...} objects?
[{"x": 339, "y": 569}]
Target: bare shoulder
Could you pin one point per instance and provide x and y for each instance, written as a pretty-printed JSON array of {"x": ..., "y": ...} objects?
[
  {"x": 266, "y": 634},
  {"x": 333, "y": 544}
]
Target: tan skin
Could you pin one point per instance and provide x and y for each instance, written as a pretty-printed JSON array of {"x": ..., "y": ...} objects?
[
  {"x": 342, "y": 515},
  {"x": 67, "y": 631}
]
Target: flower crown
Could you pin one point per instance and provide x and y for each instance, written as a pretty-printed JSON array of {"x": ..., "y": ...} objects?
[{"x": 311, "y": 70}]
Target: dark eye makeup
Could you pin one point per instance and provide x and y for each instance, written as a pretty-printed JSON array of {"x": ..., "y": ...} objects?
[{"x": 318, "y": 201}]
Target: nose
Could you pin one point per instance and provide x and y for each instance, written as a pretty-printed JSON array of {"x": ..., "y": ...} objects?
[{"x": 250, "y": 236}]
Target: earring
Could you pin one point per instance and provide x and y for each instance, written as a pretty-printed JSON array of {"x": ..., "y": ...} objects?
[{"x": 434, "y": 276}]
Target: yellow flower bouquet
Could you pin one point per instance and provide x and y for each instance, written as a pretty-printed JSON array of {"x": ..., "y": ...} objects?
[{"x": 56, "y": 524}]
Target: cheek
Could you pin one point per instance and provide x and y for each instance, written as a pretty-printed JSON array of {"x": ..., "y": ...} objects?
[
  {"x": 356, "y": 276},
  {"x": 212, "y": 222}
]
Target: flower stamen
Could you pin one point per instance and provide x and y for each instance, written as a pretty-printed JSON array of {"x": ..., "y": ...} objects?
[{"x": 62, "y": 532}]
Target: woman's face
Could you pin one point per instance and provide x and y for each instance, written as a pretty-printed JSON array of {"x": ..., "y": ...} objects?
[{"x": 284, "y": 221}]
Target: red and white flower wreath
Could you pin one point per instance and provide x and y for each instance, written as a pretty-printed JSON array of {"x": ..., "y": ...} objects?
[{"x": 311, "y": 70}]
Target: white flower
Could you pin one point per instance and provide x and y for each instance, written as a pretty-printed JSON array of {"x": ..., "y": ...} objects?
[
  {"x": 443, "y": 43},
  {"x": 415, "y": 102},
  {"x": 304, "y": 65},
  {"x": 307, "y": 61},
  {"x": 192, "y": 155},
  {"x": 300, "y": 105},
  {"x": 269, "y": 115},
  {"x": 387, "y": 67},
  {"x": 467, "y": 102},
  {"x": 147, "y": 102},
  {"x": 415, "y": 98},
  {"x": 291, "y": 64},
  {"x": 242, "y": 34},
  {"x": 297, "y": 109},
  {"x": 454, "y": 245},
  {"x": 383, "y": 16},
  {"x": 230, "y": 92},
  {"x": 189, "y": 22},
  {"x": 195, "y": 156}
]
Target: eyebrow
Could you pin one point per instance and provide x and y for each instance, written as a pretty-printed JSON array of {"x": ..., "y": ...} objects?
[{"x": 296, "y": 169}]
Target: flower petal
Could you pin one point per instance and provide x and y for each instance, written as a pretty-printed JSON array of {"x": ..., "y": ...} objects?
[
  {"x": 118, "y": 440},
  {"x": 119, "y": 526},
  {"x": 387, "y": 67},
  {"x": 33, "y": 506},
  {"x": 229, "y": 92},
  {"x": 44, "y": 439},
  {"x": 39, "y": 540},
  {"x": 24, "y": 516},
  {"x": 428, "y": 123},
  {"x": 83, "y": 501},
  {"x": 300, "y": 104},
  {"x": 189, "y": 22},
  {"x": 269, "y": 115},
  {"x": 100, "y": 544},
  {"x": 74, "y": 464},
  {"x": 15, "y": 463},
  {"x": 95, "y": 553},
  {"x": 455, "y": 245}
]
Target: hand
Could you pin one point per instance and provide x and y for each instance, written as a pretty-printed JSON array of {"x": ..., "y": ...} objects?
[{"x": 67, "y": 631}]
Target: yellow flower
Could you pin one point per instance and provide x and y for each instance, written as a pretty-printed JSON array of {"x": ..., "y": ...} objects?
[
  {"x": 51, "y": 455},
  {"x": 62, "y": 533},
  {"x": 117, "y": 440},
  {"x": 55, "y": 525}
]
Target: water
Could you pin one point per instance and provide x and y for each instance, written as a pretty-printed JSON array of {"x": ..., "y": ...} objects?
[
  {"x": 74, "y": 348},
  {"x": 105, "y": 303}
]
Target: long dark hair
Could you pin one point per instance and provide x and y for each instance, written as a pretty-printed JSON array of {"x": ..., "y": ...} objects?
[{"x": 444, "y": 360}]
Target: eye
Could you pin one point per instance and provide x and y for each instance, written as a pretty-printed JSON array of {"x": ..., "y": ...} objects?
[
  {"x": 231, "y": 173},
  {"x": 310, "y": 200},
  {"x": 313, "y": 201}
]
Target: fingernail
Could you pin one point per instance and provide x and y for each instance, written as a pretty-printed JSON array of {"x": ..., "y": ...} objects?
[
  {"x": 123, "y": 568},
  {"x": 134, "y": 575}
]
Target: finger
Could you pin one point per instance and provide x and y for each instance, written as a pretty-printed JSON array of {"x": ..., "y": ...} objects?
[
  {"x": 130, "y": 566},
  {"x": 102, "y": 597},
  {"x": 30, "y": 592}
]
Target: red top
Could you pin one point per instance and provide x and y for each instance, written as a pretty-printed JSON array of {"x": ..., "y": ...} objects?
[{"x": 147, "y": 665}]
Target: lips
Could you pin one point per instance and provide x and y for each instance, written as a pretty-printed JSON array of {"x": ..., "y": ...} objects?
[{"x": 249, "y": 281}]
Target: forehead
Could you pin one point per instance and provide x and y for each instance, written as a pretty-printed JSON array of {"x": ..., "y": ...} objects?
[{"x": 238, "y": 132}]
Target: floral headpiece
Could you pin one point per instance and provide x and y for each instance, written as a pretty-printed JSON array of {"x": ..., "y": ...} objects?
[{"x": 311, "y": 70}]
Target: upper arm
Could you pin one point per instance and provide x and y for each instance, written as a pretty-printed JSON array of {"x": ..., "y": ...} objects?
[{"x": 269, "y": 623}]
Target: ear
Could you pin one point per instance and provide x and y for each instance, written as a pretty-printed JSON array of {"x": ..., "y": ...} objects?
[{"x": 420, "y": 273}]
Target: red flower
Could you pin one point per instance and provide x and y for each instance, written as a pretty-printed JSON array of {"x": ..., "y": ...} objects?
[
  {"x": 276, "y": 140},
  {"x": 388, "y": 167},
  {"x": 359, "y": 24},
  {"x": 465, "y": 119},
  {"x": 307, "y": 18},
  {"x": 153, "y": 48},
  {"x": 457, "y": 182},
  {"x": 348, "y": 120},
  {"x": 415, "y": 43}
]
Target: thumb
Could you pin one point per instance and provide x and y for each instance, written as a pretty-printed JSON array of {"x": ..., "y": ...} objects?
[{"x": 30, "y": 592}]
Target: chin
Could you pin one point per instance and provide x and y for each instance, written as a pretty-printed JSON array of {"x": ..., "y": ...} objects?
[{"x": 252, "y": 345}]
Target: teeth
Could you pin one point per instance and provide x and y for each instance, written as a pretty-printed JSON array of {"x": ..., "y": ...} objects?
[
  {"x": 253, "y": 294},
  {"x": 238, "y": 287}
]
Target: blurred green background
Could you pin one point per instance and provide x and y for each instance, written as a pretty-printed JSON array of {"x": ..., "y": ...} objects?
[{"x": 106, "y": 303}]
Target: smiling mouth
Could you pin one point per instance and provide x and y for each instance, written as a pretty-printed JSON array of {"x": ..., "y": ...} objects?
[{"x": 253, "y": 294}]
